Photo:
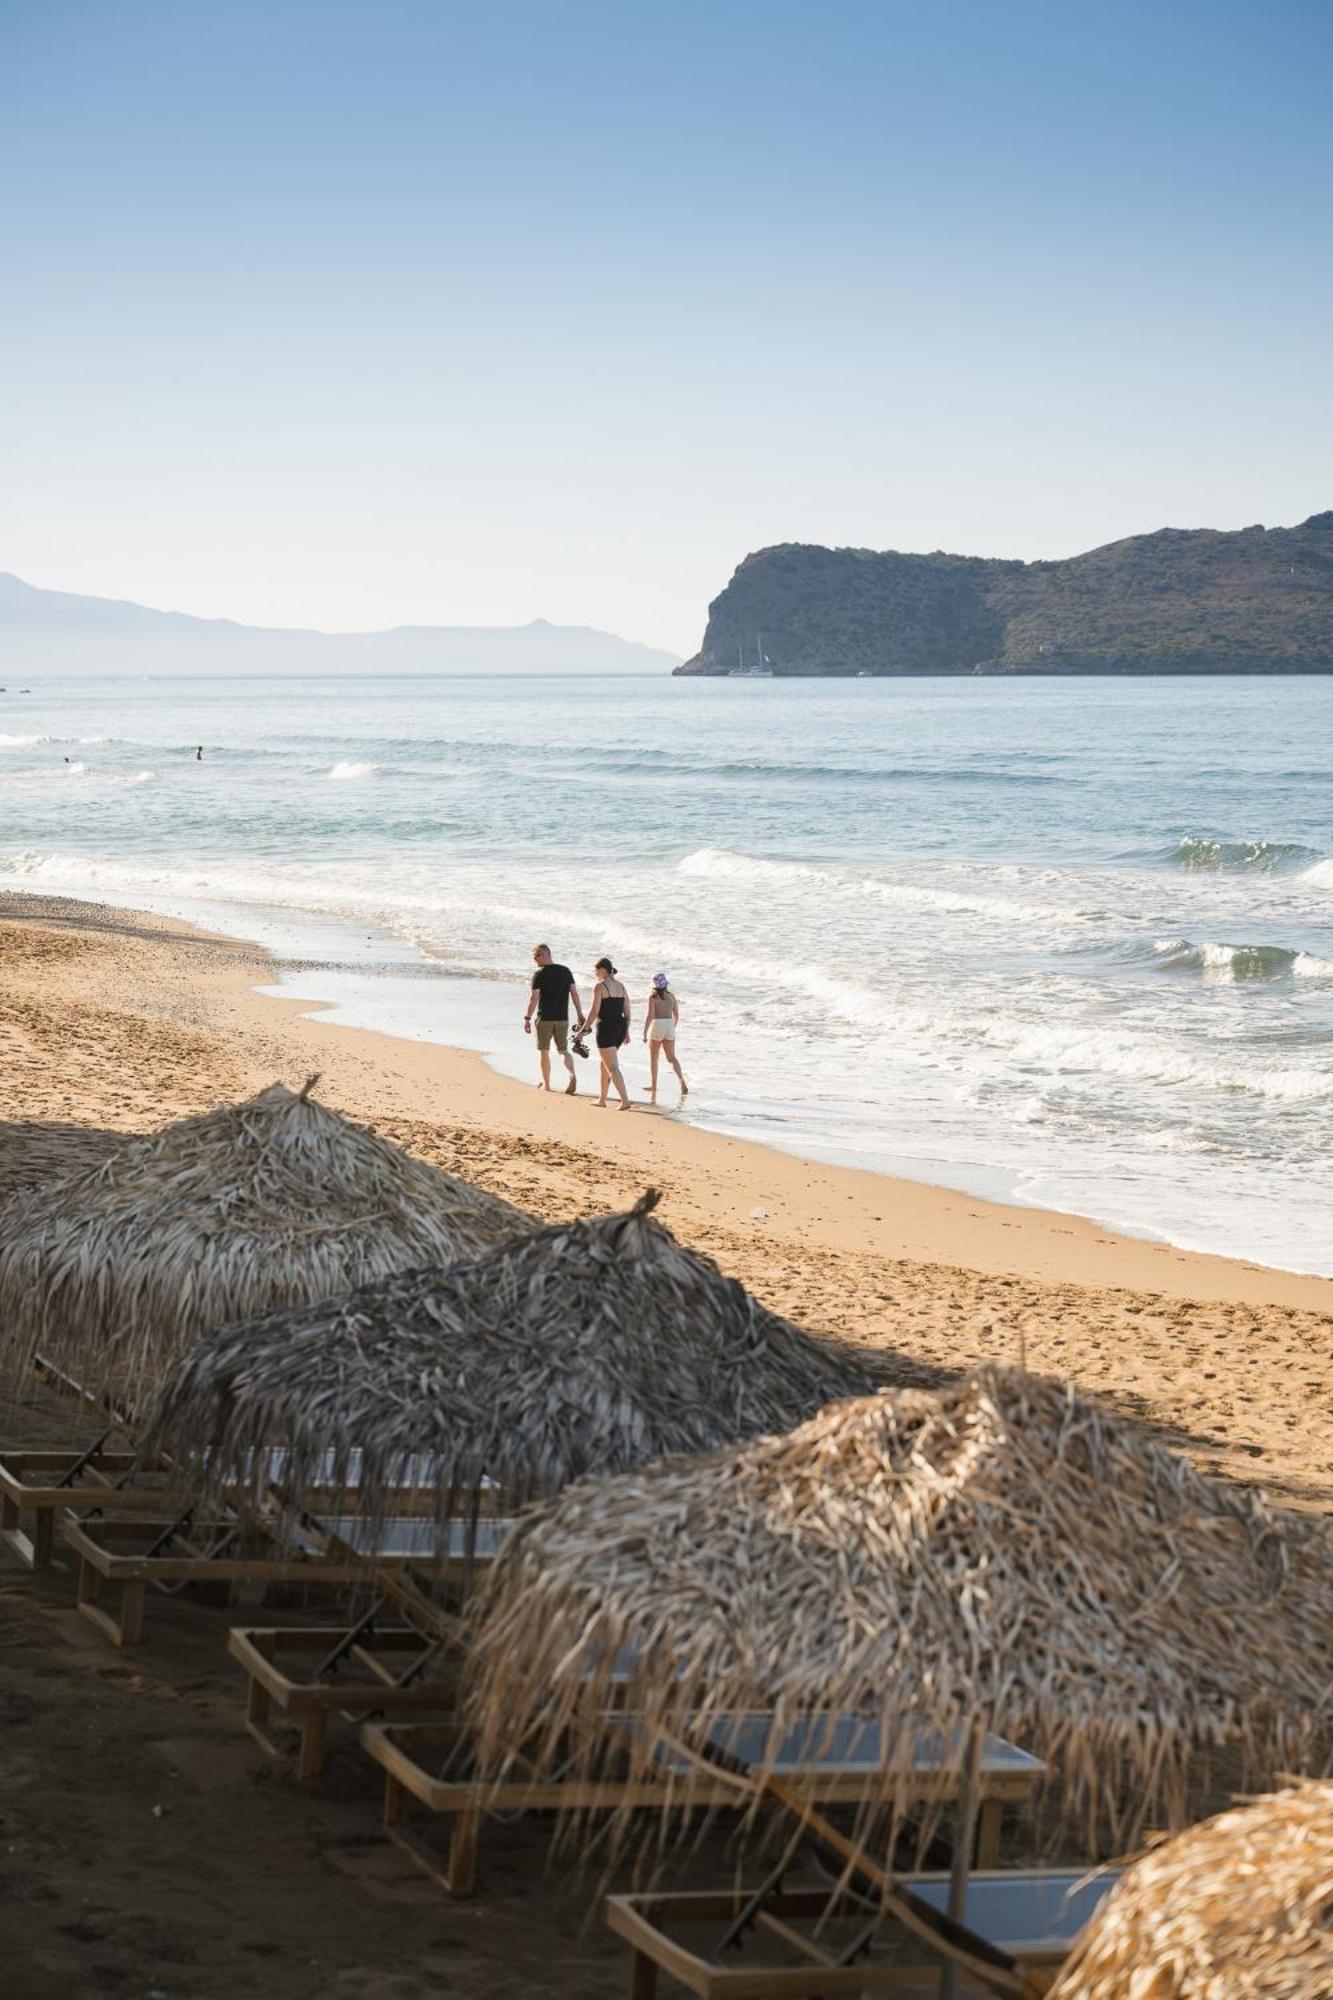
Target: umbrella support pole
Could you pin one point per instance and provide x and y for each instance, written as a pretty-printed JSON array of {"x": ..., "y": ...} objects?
[{"x": 964, "y": 1842}]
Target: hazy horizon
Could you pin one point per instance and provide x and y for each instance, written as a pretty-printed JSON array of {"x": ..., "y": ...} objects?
[{"x": 423, "y": 315}]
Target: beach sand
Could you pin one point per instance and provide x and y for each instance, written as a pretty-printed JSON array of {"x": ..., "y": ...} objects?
[{"x": 113, "y": 1023}]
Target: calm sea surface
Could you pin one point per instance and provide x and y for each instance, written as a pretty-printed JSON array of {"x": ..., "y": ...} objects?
[{"x": 1065, "y": 941}]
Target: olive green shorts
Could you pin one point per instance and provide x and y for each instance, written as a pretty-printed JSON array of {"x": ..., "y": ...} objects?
[{"x": 552, "y": 1031}]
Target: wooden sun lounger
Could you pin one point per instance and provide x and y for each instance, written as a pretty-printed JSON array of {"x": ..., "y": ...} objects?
[
  {"x": 269, "y": 1547},
  {"x": 132, "y": 1553},
  {"x": 832, "y": 1767},
  {"x": 815, "y": 1942},
  {"x": 40, "y": 1486},
  {"x": 395, "y": 1670}
]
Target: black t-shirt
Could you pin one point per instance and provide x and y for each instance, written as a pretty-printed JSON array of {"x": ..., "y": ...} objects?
[{"x": 553, "y": 983}]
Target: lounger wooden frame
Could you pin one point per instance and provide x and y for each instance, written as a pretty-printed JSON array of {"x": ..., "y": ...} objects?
[
  {"x": 104, "y": 1559},
  {"x": 305, "y": 1551},
  {"x": 641, "y": 1920},
  {"x": 41, "y": 1485},
  {"x": 309, "y": 1703},
  {"x": 398, "y": 1749}
]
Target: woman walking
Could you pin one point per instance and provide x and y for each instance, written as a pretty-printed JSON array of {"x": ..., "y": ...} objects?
[
  {"x": 659, "y": 1031},
  {"x": 609, "y": 1014}
]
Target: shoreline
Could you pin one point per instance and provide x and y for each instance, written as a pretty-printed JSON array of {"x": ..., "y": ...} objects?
[{"x": 896, "y": 1216}]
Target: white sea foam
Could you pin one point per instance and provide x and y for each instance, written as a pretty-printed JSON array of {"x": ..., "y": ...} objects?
[{"x": 351, "y": 769}]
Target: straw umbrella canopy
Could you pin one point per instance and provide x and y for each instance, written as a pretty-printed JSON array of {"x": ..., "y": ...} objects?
[
  {"x": 1000, "y": 1555},
  {"x": 587, "y": 1347},
  {"x": 1239, "y": 1905},
  {"x": 112, "y": 1272}
]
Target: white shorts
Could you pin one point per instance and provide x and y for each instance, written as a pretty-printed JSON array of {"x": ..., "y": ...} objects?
[{"x": 662, "y": 1031}]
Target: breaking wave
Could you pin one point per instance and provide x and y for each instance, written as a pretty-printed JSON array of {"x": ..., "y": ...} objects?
[
  {"x": 1240, "y": 857},
  {"x": 350, "y": 769},
  {"x": 1235, "y": 964}
]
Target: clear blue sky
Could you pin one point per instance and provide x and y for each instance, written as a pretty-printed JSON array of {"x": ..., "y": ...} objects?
[{"x": 384, "y": 313}]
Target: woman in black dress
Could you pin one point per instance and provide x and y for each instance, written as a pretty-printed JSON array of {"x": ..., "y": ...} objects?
[{"x": 609, "y": 1014}]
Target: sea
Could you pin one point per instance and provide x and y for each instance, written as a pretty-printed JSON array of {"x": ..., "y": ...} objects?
[{"x": 1060, "y": 942}]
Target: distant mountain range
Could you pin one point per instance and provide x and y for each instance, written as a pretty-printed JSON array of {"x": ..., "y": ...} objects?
[
  {"x": 54, "y": 631},
  {"x": 1181, "y": 601}
]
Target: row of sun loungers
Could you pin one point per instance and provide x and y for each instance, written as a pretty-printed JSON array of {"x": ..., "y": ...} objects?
[{"x": 391, "y": 1669}]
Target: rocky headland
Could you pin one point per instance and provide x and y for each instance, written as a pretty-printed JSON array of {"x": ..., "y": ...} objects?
[{"x": 1180, "y": 601}]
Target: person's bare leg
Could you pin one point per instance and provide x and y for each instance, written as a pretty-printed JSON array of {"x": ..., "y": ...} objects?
[
  {"x": 654, "y": 1051},
  {"x": 608, "y": 1056},
  {"x": 573, "y": 1083},
  {"x": 619, "y": 1081},
  {"x": 670, "y": 1048},
  {"x": 544, "y": 1057}
]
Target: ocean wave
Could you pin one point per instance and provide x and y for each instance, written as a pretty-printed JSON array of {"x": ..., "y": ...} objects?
[
  {"x": 351, "y": 769},
  {"x": 1240, "y": 857},
  {"x": 650, "y": 764},
  {"x": 1321, "y": 874},
  {"x": 1080, "y": 1051},
  {"x": 1236, "y": 964},
  {"x": 25, "y": 742},
  {"x": 1309, "y": 965},
  {"x": 725, "y": 864}
]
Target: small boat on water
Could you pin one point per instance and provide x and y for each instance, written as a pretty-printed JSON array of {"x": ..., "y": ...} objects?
[{"x": 760, "y": 670}]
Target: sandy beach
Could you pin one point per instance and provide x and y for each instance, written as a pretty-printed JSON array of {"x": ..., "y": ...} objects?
[
  {"x": 118, "y": 1022},
  {"x": 113, "y": 1023}
]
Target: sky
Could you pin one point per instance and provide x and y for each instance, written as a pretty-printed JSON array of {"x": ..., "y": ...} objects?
[{"x": 411, "y": 311}]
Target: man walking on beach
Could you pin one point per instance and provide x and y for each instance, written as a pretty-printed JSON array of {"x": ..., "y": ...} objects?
[{"x": 552, "y": 989}]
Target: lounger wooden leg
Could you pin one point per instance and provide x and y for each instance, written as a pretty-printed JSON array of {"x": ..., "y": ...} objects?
[
  {"x": 989, "y": 1820},
  {"x": 642, "y": 1977},
  {"x": 122, "y": 1631},
  {"x": 257, "y": 1705},
  {"x": 132, "y": 1612},
  {"x": 87, "y": 1586},
  {"x": 459, "y": 1876},
  {"x": 314, "y": 1741},
  {"x": 43, "y": 1534},
  {"x": 13, "y": 1536},
  {"x": 463, "y": 1854}
]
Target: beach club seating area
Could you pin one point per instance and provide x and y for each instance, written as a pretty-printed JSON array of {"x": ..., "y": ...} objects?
[{"x": 560, "y": 1520}]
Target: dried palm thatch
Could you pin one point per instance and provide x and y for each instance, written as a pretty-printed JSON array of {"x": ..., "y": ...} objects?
[
  {"x": 33, "y": 1150},
  {"x": 1240, "y": 1906},
  {"x": 114, "y": 1271},
  {"x": 1002, "y": 1554},
  {"x": 587, "y": 1347}
]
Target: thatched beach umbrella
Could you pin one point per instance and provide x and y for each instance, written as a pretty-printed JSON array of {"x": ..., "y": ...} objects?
[
  {"x": 1001, "y": 1555},
  {"x": 587, "y": 1347},
  {"x": 1242, "y": 1905},
  {"x": 111, "y": 1273}
]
